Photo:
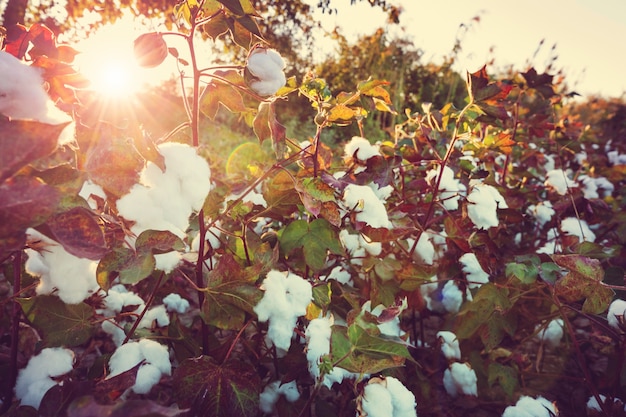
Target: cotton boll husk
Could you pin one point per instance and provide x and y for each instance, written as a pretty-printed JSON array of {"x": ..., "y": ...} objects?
[
  {"x": 460, "y": 378},
  {"x": 475, "y": 274},
  {"x": 452, "y": 297},
  {"x": 74, "y": 278},
  {"x": 369, "y": 209},
  {"x": 576, "y": 227},
  {"x": 174, "y": 302},
  {"x": 616, "y": 312},
  {"x": 449, "y": 345},
  {"x": 376, "y": 401},
  {"x": 360, "y": 148}
]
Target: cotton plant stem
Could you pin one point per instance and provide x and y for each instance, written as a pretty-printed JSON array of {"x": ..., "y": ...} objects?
[{"x": 143, "y": 313}]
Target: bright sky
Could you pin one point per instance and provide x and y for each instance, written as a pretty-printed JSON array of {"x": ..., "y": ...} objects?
[{"x": 590, "y": 35}]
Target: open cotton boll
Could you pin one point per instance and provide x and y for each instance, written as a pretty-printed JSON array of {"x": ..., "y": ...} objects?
[
  {"x": 369, "y": 208},
  {"x": 574, "y": 226},
  {"x": 551, "y": 334},
  {"x": 339, "y": 274},
  {"x": 22, "y": 93},
  {"x": 174, "y": 302},
  {"x": 484, "y": 200},
  {"x": 451, "y": 297},
  {"x": 71, "y": 278},
  {"x": 286, "y": 298},
  {"x": 450, "y": 189},
  {"x": 425, "y": 250},
  {"x": 402, "y": 399},
  {"x": 558, "y": 181},
  {"x": 387, "y": 328},
  {"x": 449, "y": 345},
  {"x": 531, "y": 407},
  {"x": 460, "y": 378},
  {"x": 36, "y": 378},
  {"x": 616, "y": 314},
  {"x": 376, "y": 401},
  {"x": 474, "y": 273},
  {"x": 267, "y": 66},
  {"x": 542, "y": 212},
  {"x": 153, "y": 355},
  {"x": 387, "y": 397},
  {"x": 361, "y": 149},
  {"x": 155, "y": 316},
  {"x": 271, "y": 393}
]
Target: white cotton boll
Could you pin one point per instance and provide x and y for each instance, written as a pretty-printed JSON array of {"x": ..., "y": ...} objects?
[
  {"x": 168, "y": 261},
  {"x": 460, "y": 378},
  {"x": 148, "y": 376},
  {"x": 373, "y": 248},
  {"x": 616, "y": 313},
  {"x": 124, "y": 358},
  {"x": 402, "y": 399},
  {"x": 551, "y": 334},
  {"x": 317, "y": 335},
  {"x": 155, "y": 316},
  {"x": 156, "y": 363},
  {"x": 90, "y": 189},
  {"x": 269, "y": 397},
  {"x": 427, "y": 290},
  {"x": 605, "y": 186},
  {"x": 376, "y": 401},
  {"x": 156, "y": 354},
  {"x": 542, "y": 212},
  {"x": 589, "y": 187},
  {"x": 449, "y": 345},
  {"x": 579, "y": 228},
  {"x": 36, "y": 378},
  {"x": 290, "y": 391},
  {"x": 592, "y": 403},
  {"x": 174, "y": 302},
  {"x": 267, "y": 66},
  {"x": 73, "y": 278},
  {"x": 387, "y": 328},
  {"x": 558, "y": 180},
  {"x": 340, "y": 274},
  {"x": 513, "y": 411},
  {"x": 530, "y": 407},
  {"x": 616, "y": 158},
  {"x": 382, "y": 193},
  {"x": 451, "y": 297},
  {"x": 117, "y": 333},
  {"x": 475, "y": 274},
  {"x": 369, "y": 209},
  {"x": 425, "y": 250},
  {"x": 360, "y": 148},
  {"x": 22, "y": 93},
  {"x": 450, "y": 189},
  {"x": 286, "y": 298},
  {"x": 484, "y": 200},
  {"x": 349, "y": 241}
]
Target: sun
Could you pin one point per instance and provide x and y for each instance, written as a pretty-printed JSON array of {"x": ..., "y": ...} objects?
[{"x": 115, "y": 78}]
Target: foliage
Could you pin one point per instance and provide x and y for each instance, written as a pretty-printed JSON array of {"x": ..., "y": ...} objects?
[{"x": 378, "y": 233}]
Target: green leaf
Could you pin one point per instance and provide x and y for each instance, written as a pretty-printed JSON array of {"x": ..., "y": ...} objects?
[
  {"x": 317, "y": 189},
  {"x": 322, "y": 294},
  {"x": 25, "y": 202},
  {"x": 583, "y": 265},
  {"x": 506, "y": 376},
  {"x": 527, "y": 274},
  {"x": 79, "y": 232},
  {"x": 60, "y": 324},
  {"x": 23, "y": 142},
  {"x": 316, "y": 239},
  {"x": 158, "y": 241},
  {"x": 228, "y": 390},
  {"x": 130, "y": 266},
  {"x": 226, "y": 303},
  {"x": 216, "y": 93},
  {"x": 549, "y": 272}
]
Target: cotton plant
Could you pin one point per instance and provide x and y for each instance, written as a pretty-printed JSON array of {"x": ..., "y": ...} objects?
[
  {"x": 594, "y": 406},
  {"x": 460, "y": 379},
  {"x": 450, "y": 189},
  {"x": 531, "y": 407},
  {"x": 286, "y": 297},
  {"x": 164, "y": 200},
  {"x": 266, "y": 68},
  {"x": 69, "y": 277},
  {"x": 474, "y": 273},
  {"x": 153, "y": 360},
  {"x": 550, "y": 333},
  {"x": 386, "y": 397},
  {"x": 483, "y": 202},
  {"x": 42, "y": 373},
  {"x": 272, "y": 393}
]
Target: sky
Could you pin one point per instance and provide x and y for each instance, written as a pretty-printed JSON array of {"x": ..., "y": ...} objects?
[{"x": 590, "y": 35}]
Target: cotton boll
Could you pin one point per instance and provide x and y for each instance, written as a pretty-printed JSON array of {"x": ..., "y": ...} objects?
[
  {"x": 317, "y": 335},
  {"x": 174, "y": 302},
  {"x": 402, "y": 399},
  {"x": 449, "y": 345},
  {"x": 124, "y": 358},
  {"x": 168, "y": 261},
  {"x": 156, "y": 354},
  {"x": 340, "y": 274},
  {"x": 290, "y": 391},
  {"x": 36, "y": 379},
  {"x": 484, "y": 200},
  {"x": 269, "y": 397},
  {"x": 531, "y": 407},
  {"x": 148, "y": 376},
  {"x": 369, "y": 209},
  {"x": 579, "y": 228},
  {"x": 117, "y": 333},
  {"x": 542, "y": 212},
  {"x": 73, "y": 278},
  {"x": 460, "y": 378},
  {"x": 558, "y": 181},
  {"x": 451, "y": 297},
  {"x": 617, "y": 314},
  {"x": 156, "y": 363},
  {"x": 425, "y": 250},
  {"x": 376, "y": 401},
  {"x": 474, "y": 272},
  {"x": 360, "y": 148},
  {"x": 155, "y": 316},
  {"x": 513, "y": 411},
  {"x": 267, "y": 66},
  {"x": 450, "y": 189},
  {"x": 90, "y": 189},
  {"x": 552, "y": 334},
  {"x": 373, "y": 248}
]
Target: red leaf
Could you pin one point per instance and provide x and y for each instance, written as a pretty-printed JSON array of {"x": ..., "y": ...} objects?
[{"x": 79, "y": 233}]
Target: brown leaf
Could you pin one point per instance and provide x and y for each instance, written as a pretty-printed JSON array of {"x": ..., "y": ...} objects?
[{"x": 79, "y": 233}]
